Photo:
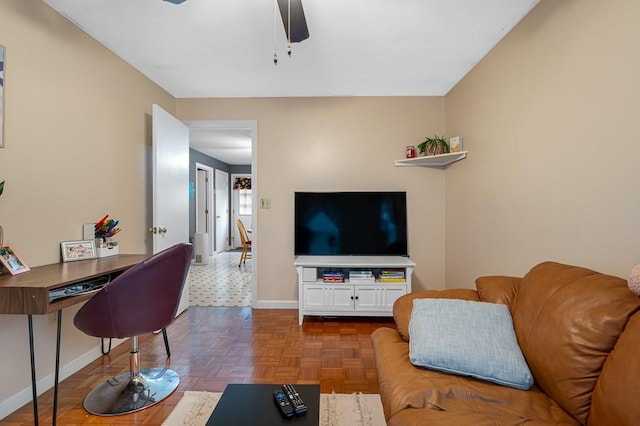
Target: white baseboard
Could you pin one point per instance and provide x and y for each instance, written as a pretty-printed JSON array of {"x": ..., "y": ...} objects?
[
  {"x": 275, "y": 304},
  {"x": 19, "y": 399}
]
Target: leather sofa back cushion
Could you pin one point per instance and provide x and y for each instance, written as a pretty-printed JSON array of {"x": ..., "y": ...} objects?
[
  {"x": 567, "y": 320},
  {"x": 498, "y": 289},
  {"x": 615, "y": 399}
]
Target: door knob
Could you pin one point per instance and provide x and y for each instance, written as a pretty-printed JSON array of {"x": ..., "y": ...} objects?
[
  {"x": 153, "y": 230},
  {"x": 162, "y": 230}
]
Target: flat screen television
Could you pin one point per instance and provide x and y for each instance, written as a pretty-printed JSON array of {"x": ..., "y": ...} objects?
[{"x": 351, "y": 223}]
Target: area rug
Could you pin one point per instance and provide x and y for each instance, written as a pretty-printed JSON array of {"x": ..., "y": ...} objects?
[{"x": 357, "y": 409}]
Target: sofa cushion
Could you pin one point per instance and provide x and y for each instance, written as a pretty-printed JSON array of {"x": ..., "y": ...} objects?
[
  {"x": 434, "y": 398},
  {"x": 615, "y": 398},
  {"x": 568, "y": 320},
  {"x": 498, "y": 289},
  {"x": 470, "y": 338},
  {"x": 403, "y": 305}
]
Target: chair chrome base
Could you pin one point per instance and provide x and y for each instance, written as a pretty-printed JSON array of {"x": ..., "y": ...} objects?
[{"x": 124, "y": 394}]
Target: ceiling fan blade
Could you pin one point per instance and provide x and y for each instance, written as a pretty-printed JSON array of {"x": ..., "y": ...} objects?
[
  {"x": 299, "y": 30},
  {"x": 176, "y": 1}
]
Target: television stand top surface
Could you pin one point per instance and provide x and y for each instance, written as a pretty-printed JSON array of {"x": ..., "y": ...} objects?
[{"x": 355, "y": 261}]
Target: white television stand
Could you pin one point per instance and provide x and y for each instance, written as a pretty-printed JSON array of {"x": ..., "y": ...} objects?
[{"x": 316, "y": 297}]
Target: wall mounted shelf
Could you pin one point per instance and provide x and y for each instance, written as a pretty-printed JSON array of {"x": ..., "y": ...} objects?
[{"x": 441, "y": 160}]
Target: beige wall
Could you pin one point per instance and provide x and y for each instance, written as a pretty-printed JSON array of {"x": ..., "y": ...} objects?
[
  {"x": 77, "y": 137},
  {"x": 550, "y": 119},
  {"x": 336, "y": 144}
]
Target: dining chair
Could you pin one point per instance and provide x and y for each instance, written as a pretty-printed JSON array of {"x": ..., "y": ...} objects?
[{"x": 246, "y": 243}]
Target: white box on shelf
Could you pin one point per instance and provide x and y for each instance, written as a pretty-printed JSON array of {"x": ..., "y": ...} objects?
[
  {"x": 309, "y": 275},
  {"x": 110, "y": 250}
]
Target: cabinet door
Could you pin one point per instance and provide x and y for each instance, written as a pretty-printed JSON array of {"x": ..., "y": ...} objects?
[
  {"x": 315, "y": 297},
  {"x": 341, "y": 298},
  {"x": 367, "y": 298},
  {"x": 391, "y": 294},
  {"x": 328, "y": 297},
  {"x": 378, "y": 297}
]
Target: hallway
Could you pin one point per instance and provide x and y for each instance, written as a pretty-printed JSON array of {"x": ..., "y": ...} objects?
[{"x": 221, "y": 282}]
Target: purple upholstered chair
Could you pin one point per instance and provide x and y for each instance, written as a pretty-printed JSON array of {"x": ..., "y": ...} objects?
[{"x": 141, "y": 300}]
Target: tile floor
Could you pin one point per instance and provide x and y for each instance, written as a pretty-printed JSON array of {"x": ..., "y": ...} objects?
[{"x": 221, "y": 282}]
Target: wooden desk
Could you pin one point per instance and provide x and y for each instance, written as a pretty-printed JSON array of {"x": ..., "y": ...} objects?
[{"x": 28, "y": 294}]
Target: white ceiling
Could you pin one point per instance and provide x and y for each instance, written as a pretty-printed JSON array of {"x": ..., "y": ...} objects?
[
  {"x": 231, "y": 146},
  {"x": 224, "y": 48}
]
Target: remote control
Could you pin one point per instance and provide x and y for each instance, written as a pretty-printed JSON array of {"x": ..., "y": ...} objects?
[
  {"x": 283, "y": 403},
  {"x": 296, "y": 400}
]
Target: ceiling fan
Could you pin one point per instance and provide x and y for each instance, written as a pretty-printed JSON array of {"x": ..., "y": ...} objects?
[
  {"x": 292, "y": 15},
  {"x": 298, "y": 24}
]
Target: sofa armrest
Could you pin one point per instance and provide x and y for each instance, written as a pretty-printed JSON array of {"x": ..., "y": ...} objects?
[{"x": 403, "y": 306}]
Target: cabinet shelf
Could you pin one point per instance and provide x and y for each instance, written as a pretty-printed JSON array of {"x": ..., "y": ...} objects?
[
  {"x": 441, "y": 160},
  {"x": 352, "y": 298}
]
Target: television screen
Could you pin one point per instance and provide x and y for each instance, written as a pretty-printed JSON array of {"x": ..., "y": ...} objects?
[{"x": 351, "y": 223}]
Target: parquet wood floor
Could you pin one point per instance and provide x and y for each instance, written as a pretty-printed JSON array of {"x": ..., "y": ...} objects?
[{"x": 211, "y": 347}]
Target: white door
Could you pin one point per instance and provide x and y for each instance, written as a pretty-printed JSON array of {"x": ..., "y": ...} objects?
[
  {"x": 170, "y": 171},
  {"x": 204, "y": 205},
  {"x": 202, "y": 202},
  {"x": 221, "y": 183}
]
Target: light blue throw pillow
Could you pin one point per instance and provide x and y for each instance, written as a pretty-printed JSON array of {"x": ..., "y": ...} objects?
[{"x": 469, "y": 338}]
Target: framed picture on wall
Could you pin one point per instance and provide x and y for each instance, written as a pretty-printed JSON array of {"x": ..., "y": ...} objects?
[
  {"x": 78, "y": 250},
  {"x": 11, "y": 261},
  {"x": 1, "y": 96}
]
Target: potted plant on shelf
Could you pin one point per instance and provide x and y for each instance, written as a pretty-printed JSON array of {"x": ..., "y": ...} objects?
[{"x": 433, "y": 146}]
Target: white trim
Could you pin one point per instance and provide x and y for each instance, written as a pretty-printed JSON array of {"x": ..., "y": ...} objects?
[
  {"x": 275, "y": 304},
  {"x": 254, "y": 212},
  {"x": 24, "y": 396}
]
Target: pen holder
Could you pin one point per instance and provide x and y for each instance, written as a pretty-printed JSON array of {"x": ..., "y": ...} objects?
[{"x": 106, "y": 248}]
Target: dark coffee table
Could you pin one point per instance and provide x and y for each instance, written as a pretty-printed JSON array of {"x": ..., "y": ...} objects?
[{"x": 252, "y": 404}]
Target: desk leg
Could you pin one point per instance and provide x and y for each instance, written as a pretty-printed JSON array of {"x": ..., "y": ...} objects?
[
  {"x": 57, "y": 373},
  {"x": 34, "y": 390},
  {"x": 33, "y": 371}
]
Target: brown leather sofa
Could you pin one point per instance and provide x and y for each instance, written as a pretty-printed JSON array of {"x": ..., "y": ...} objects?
[{"x": 578, "y": 330}]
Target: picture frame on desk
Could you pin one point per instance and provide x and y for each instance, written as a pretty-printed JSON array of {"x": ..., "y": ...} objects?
[
  {"x": 11, "y": 261},
  {"x": 78, "y": 250}
]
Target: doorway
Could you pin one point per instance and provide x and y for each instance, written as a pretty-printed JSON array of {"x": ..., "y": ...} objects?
[
  {"x": 241, "y": 126},
  {"x": 241, "y": 205}
]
